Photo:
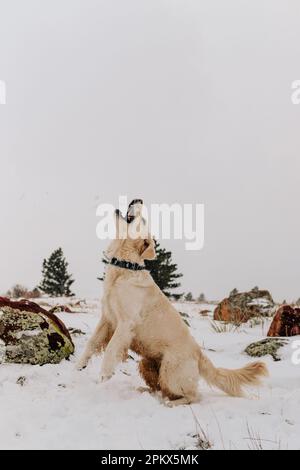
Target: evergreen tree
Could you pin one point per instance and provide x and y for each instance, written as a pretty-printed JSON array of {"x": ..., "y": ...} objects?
[
  {"x": 188, "y": 297},
  {"x": 201, "y": 298},
  {"x": 163, "y": 271},
  {"x": 56, "y": 279}
]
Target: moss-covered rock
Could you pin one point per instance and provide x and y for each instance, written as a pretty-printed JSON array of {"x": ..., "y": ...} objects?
[
  {"x": 31, "y": 335},
  {"x": 268, "y": 346},
  {"x": 240, "y": 307}
]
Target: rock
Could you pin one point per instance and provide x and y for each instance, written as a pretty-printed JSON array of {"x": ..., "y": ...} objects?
[
  {"x": 76, "y": 331},
  {"x": 204, "y": 312},
  {"x": 265, "y": 347},
  {"x": 31, "y": 335},
  {"x": 60, "y": 308},
  {"x": 239, "y": 308},
  {"x": 286, "y": 322}
]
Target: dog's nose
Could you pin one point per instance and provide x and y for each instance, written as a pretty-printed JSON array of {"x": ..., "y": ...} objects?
[{"x": 136, "y": 201}]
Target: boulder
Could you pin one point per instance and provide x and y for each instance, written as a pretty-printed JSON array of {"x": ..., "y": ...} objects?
[
  {"x": 31, "y": 335},
  {"x": 286, "y": 322},
  {"x": 204, "y": 312},
  {"x": 60, "y": 308},
  {"x": 239, "y": 308},
  {"x": 268, "y": 346}
]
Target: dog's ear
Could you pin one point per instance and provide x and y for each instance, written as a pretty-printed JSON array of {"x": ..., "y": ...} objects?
[{"x": 148, "y": 249}]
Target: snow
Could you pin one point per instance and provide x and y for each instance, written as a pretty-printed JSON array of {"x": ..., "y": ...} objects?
[
  {"x": 260, "y": 301},
  {"x": 58, "y": 407}
]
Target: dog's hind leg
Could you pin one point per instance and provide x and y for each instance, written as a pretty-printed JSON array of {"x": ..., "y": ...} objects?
[
  {"x": 178, "y": 378},
  {"x": 96, "y": 344},
  {"x": 149, "y": 370},
  {"x": 180, "y": 401}
]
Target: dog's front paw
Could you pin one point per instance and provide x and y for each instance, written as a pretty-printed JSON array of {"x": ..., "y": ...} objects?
[{"x": 81, "y": 364}]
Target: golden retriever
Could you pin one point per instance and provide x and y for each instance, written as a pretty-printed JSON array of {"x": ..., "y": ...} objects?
[{"x": 136, "y": 315}]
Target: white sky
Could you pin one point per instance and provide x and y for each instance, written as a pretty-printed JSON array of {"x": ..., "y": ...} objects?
[{"x": 172, "y": 101}]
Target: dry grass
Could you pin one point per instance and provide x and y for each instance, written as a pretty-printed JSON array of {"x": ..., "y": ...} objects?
[
  {"x": 223, "y": 327},
  {"x": 256, "y": 442},
  {"x": 201, "y": 436}
]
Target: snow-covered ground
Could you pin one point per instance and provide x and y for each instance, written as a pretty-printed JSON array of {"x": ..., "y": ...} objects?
[{"x": 58, "y": 407}]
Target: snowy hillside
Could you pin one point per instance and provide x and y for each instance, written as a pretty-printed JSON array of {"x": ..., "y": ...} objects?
[{"x": 57, "y": 407}]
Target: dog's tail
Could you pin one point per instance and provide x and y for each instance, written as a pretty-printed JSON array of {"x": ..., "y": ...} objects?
[{"x": 231, "y": 381}]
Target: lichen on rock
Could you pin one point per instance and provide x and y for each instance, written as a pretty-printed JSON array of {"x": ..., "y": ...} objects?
[
  {"x": 268, "y": 346},
  {"x": 30, "y": 335},
  {"x": 240, "y": 307}
]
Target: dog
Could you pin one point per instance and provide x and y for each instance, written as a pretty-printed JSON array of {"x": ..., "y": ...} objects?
[{"x": 137, "y": 316}]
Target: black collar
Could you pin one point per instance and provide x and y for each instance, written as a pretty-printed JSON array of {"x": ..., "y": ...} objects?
[{"x": 121, "y": 263}]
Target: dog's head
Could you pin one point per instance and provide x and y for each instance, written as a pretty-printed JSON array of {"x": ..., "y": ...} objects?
[{"x": 133, "y": 241}]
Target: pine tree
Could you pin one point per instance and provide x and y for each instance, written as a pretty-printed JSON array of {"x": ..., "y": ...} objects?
[
  {"x": 163, "y": 271},
  {"x": 56, "y": 279},
  {"x": 189, "y": 297},
  {"x": 201, "y": 298}
]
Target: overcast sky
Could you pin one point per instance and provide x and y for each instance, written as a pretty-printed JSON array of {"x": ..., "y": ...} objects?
[{"x": 173, "y": 101}]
